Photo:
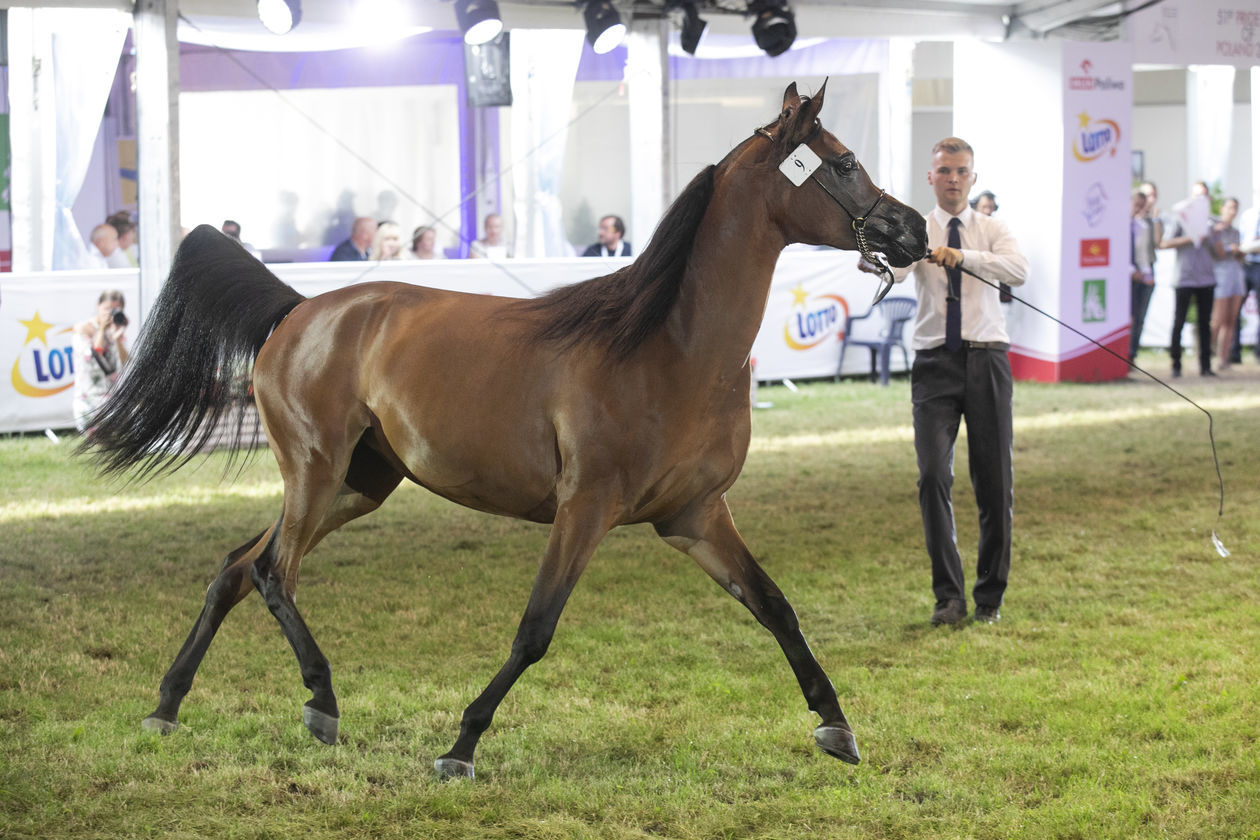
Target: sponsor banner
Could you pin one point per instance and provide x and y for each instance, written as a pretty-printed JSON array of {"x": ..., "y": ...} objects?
[
  {"x": 1085, "y": 364},
  {"x": 811, "y": 299},
  {"x": 1094, "y": 283},
  {"x": 37, "y": 318},
  {"x": 811, "y": 296},
  {"x": 1183, "y": 32}
]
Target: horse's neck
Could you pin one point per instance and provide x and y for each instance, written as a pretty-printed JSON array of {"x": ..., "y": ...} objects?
[{"x": 723, "y": 298}]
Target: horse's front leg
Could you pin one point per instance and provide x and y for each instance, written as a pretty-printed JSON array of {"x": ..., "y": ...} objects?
[
  {"x": 579, "y": 525},
  {"x": 709, "y": 537}
]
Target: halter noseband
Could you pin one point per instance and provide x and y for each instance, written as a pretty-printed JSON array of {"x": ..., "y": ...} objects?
[{"x": 858, "y": 223}]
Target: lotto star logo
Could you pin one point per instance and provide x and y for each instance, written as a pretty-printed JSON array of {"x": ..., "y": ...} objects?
[
  {"x": 814, "y": 319},
  {"x": 45, "y": 366},
  {"x": 1095, "y": 139}
]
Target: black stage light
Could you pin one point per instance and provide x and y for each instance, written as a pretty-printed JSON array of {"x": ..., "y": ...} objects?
[
  {"x": 692, "y": 28},
  {"x": 774, "y": 29},
  {"x": 604, "y": 28},
  {"x": 279, "y": 16},
  {"x": 479, "y": 20}
]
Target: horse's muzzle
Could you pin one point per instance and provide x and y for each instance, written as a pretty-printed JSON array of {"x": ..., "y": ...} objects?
[{"x": 900, "y": 233}]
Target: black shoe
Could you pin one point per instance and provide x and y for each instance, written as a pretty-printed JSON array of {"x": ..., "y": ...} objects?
[
  {"x": 987, "y": 615},
  {"x": 949, "y": 611},
  {"x": 1207, "y": 373},
  {"x": 1176, "y": 371}
]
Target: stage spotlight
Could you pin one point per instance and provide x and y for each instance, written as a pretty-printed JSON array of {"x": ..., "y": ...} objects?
[
  {"x": 478, "y": 20},
  {"x": 279, "y": 16},
  {"x": 774, "y": 29},
  {"x": 692, "y": 28},
  {"x": 604, "y": 28}
]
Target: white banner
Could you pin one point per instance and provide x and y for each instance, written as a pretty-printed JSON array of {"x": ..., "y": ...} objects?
[
  {"x": 811, "y": 298},
  {"x": 37, "y": 317},
  {"x": 1184, "y": 32},
  {"x": 811, "y": 294},
  {"x": 1094, "y": 295}
]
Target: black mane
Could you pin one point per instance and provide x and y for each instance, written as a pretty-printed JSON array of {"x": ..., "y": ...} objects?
[{"x": 619, "y": 311}]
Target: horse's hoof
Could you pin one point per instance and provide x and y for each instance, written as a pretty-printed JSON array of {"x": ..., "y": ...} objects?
[
  {"x": 322, "y": 726},
  {"x": 158, "y": 726},
  {"x": 838, "y": 741},
  {"x": 453, "y": 768}
]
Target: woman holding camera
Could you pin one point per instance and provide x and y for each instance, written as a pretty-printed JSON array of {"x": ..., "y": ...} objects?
[{"x": 100, "y": 352}]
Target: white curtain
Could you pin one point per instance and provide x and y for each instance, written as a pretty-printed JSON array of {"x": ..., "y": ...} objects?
[
  {"x": 86, "y": 45},
  {"x": 896, "y": 103},
  {"x": 1209, "y": 120},
  {"x": 544, "y": 67}
]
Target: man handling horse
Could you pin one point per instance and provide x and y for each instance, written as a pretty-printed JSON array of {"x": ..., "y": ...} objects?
[{"x": 961, "y": 369}]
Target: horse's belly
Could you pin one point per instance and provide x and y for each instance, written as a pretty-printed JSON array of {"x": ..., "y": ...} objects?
[{"x": 482, "y": 466}]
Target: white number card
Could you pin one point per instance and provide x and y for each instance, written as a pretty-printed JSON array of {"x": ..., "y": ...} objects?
[{"x": 800, "y": 164}]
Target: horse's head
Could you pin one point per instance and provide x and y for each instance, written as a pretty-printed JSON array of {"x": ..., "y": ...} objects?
[{"x": 828, "y": 199}]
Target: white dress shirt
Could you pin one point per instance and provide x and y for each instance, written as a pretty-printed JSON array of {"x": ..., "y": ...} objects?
[{"x": 989, "y": 250}]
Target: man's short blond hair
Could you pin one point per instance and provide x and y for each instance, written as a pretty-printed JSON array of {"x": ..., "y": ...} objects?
[{"x": 954, "y": 145}]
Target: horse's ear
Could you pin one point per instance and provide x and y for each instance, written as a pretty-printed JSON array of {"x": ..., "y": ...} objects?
[
  {"x": 816, "y": 101},
  {"x": 801, "y": 125},
  {"x": 791, "y": 104},
  {"x": 790, "y": 96}
]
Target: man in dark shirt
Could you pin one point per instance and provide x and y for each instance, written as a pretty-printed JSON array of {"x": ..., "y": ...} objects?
[
  {"x": 356, "y": 247},
  {"x": 610, "y": 244}
]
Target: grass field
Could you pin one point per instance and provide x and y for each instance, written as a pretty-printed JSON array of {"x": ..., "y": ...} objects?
[{"x": 1117, "y": 698}]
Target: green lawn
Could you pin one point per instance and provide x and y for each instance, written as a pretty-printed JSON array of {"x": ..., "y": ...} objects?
[{"x": 1117, "y": 698}]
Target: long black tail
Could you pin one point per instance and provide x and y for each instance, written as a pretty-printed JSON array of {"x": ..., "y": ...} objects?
[{"x": 193, "y": 359}]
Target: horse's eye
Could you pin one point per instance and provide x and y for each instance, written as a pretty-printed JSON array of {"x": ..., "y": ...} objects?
[{"x": 846, "y": 165}]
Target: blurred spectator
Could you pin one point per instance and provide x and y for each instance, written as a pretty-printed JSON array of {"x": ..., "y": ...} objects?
[
  {"x": 424, "y": 244},
  {"x": 121, "y": 222},
  {"x": 491, "y": 246},
  {"x": 1196, "y": 280},
  {"x": 387, "y": 243},
  {"x": 611, "y": 243},
  {"x": 1249, "y": 233},
  {"x": 985, "y": 202},
  {"x": 232, "y": 230},
  {"x": 100, "y": 351},
  {"x": 1231, "y": 283},
  {"x": 360, "y": 242},
  {"x": 104, "y": 252},
  {"x": 1142, "y": 268}
]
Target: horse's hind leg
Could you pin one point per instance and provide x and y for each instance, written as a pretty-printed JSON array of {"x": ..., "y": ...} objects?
[
  {"x": 227, "y": 590},
  {"x": 368, "y": 481},
  {"x": 575, "y": 534},
  {"x": 710, "y": 538}
]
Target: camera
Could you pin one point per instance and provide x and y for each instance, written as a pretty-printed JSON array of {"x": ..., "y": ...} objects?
[{"x": 119, "y": 318}]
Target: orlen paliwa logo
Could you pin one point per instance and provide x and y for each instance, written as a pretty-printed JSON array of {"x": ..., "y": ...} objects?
[
  {"x": 1088, "y": 81},
  {"x": 1095, "y": 138},
  {"x": 45, "y": 366},
  {"x": 815, "y": 319}
]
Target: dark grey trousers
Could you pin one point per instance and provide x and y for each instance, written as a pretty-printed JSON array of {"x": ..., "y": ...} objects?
[
  {"x": 945, "y": 387},
  {"x": 1203, "y": 296}
]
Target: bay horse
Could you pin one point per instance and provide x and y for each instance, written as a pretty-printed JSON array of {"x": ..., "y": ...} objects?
[{"x": 622, "y": 399}]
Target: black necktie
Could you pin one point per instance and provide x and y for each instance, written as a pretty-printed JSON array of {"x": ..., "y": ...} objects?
[{"x": 953, "y": 300}]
